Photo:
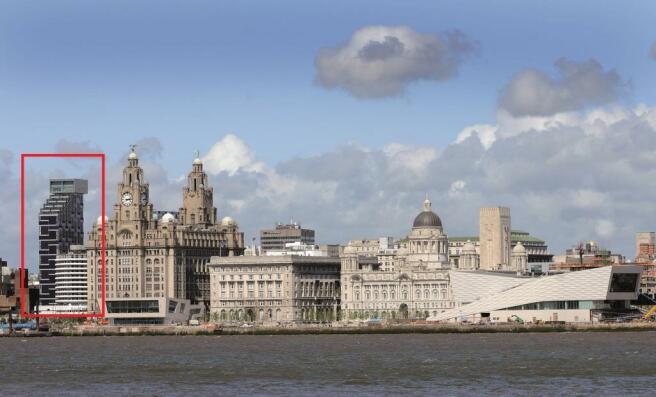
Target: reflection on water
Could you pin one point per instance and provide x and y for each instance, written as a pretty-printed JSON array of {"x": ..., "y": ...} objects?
[{"x": 461, "y": 365}]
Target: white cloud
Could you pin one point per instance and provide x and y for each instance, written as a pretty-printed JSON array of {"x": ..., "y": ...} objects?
[
  {"x": 485, "y": 133},
  {"x": 532, "y": 92},
  {"x": 413, "y": 158},
  {"x": 456, "y": 188},
  {"x": 380, "y": 61},
  {"x": 567, "y": 178},
  {"x": 230, "y": 155}
]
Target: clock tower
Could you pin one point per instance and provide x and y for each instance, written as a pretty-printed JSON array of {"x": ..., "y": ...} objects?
[{"x": 132, "y": 205}]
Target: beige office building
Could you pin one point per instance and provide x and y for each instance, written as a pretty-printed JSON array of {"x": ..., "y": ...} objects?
[
  {"x": 274, "y": 288},
  {"x": 494, "y": 237},
  {"x": 159, "y": 257},
  {"x": 275, "y": 239}
]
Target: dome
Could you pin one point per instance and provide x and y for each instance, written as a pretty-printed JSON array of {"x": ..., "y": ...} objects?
[
  {"x": 197, "y": 161},
  {"x": 519, "y": 248},
  {"x": 100, "y": 219},
  {"x": 227, "y": 221},
  {"x": 468, "y": 248},
  {"x": 132, "y": 156},
  {"x": 427, "y": 218},
  {"x": 168, "y": 217}
]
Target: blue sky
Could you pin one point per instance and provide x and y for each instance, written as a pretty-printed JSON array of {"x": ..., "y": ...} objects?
[
  {"x": 238, "y": 80},
  {"x": 119, "y": 71}
]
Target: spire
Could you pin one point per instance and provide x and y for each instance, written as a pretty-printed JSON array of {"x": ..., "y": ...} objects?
[
  {"x": 427, "y": 204},
  {"x": 133, "y": 154},
  {"x": 197, "y": 160}
]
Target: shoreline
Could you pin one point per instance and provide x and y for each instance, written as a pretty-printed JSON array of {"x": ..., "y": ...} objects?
[{"x": 365, "y": 330}]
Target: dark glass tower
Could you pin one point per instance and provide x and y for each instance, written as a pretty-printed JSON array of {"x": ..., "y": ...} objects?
[{"x": 61, "y": 224}]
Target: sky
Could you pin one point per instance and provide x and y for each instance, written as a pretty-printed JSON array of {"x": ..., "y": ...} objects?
[{"x": 345, "y": 114}]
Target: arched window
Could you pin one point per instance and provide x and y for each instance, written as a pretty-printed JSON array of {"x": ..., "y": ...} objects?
[
  {"x": 443, "y": 294},
  {"x": 426, "y": 294},
  {"x": 417, "y": 294},
  {"x": 367, "y": 295}
]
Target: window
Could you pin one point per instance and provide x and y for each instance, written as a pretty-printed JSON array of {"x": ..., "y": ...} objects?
[{"x": 623, "y": 282}]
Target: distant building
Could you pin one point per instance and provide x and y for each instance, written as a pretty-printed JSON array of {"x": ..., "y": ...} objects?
[
  {"x": 645, "y": 246},
  {"x": 583, "y": 256},
  {"x": 275, "y": 288},
  {"x": 536, "y": 249},
  {"x": 300, "y": 249},
  {"x": 61, "y": 224},
  {"x": 494, "y": 236},
  {"x": 275, "y": 239},
  {"x": 10, "y": 290}
]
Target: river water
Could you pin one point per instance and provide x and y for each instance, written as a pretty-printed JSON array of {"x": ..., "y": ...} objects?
[{"x": 565, "y": 364}]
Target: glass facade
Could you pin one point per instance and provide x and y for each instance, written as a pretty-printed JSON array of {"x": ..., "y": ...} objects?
[
  {"x": 561, "y": 305},
  {"x": 135, "y": 306},
  {"x": 624, "y": 282}
]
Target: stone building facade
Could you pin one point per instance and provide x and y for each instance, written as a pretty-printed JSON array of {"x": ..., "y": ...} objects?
[
  {"x": 417, "y": 286},
  {"x": 152, "y": 256},
  {"x": 536, "y": 249},
  {"x": 494, "y": 237},
  {"x": 275, "y": 288}
]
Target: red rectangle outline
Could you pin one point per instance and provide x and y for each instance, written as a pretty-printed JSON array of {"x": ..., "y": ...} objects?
[{"x": 100, "y": 156}]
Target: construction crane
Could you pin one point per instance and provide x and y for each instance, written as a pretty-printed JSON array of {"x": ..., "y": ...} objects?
[{"x": 649, "y": 313}]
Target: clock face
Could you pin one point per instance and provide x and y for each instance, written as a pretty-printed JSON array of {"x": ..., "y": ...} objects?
[{"x": 126, "y": 199}]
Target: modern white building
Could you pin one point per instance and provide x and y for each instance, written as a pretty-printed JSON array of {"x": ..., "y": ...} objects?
[
  {"x": 152, "y": 311},
  {"x": 583, "y": 296},
  {"x": 70, "y": 283},
  {"x": 71, "y": 279}
]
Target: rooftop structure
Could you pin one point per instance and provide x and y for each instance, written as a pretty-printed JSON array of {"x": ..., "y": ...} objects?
[{"x": 275, "y": 239}]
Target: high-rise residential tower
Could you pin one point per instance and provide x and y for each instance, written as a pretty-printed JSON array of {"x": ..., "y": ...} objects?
[
  {"x": 495, "y": 241},
  {"x": 61, "y": 224}
]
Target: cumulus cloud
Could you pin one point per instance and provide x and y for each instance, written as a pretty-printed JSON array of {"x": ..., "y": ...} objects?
[
  {"x": 485, "y": 133},
  {"x": 230, "y": 155},
  {"x": 566, "y": 179},
  {"x": 409, "y": 157},
  {"x": 532, "y": 92},
  {"x": 380, "y": 61},
  {"x": 575, "y": 179},
  {"x": 66, "y": 146}
]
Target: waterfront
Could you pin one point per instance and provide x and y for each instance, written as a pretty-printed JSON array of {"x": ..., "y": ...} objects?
[{"x": 409, "y": 364}]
